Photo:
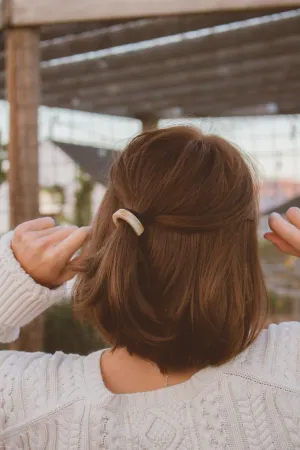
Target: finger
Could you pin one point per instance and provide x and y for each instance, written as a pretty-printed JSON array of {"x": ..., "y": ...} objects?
[
  {"x": 36, "y": 225},
  {"x": 49, "y": 231},
  {"x": 270, "y": 235},
  {"x": 293, "y": 216},
  {"x": 59, "y": 236},
  {"x": 67, "y": 275},
  {"x": 69, "y": 246},
  {"x": 282, "y": 245},
  {"x": 285, "y": 230},
  {"x": 72, "y": 269},
  {"x": 283, "y": 248},
  {"x": 75, "y": 264}
]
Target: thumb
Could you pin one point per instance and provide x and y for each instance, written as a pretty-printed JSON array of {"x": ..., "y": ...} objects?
[{"x": 72, "y": 269}]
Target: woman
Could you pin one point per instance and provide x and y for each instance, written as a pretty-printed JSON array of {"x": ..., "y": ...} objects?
[{"x": 172, "y": 279}]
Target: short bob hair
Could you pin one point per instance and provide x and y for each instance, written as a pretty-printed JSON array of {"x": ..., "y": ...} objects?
[{"x": 189, "y": 292}]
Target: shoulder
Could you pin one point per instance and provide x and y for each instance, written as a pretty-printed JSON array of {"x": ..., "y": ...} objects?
[
  {"x": 284, "y": 345},
  {"x": 32, "y": 384},
  {"x": 22, "y": 362},
  {"x": 275, "y": 353}
]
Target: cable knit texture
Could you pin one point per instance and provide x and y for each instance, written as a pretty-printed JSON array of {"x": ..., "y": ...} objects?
[{"x": 60, "y": 402}]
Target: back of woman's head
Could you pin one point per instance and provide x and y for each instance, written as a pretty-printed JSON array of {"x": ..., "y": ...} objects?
[{"x": 189, "y": 291}]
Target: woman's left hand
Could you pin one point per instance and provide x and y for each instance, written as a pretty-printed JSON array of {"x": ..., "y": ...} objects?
[
  {"x": 285, "y": 234},
  {"x": 44, "y": 251}
]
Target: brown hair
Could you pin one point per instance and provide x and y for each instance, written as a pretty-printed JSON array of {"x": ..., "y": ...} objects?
[{"x": 189, "y": 292}]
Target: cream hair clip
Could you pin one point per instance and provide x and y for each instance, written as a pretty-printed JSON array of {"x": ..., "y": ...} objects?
[{"x": 130, "y": 218}]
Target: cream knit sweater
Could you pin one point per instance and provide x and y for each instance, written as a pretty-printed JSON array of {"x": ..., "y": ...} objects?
[{"x": 60, "y": 401}]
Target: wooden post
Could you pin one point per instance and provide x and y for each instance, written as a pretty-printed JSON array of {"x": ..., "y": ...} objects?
[
  {"x": 42, "y": 12},
  {"x": 23, "y": 91},
  {"x": 149, "y": 122}
]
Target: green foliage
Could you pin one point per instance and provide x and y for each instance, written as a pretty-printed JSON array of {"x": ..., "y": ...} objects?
[
  {"x": 280, "y": 304},
  {"x": 270, "y": 254},
  {"x": 3, "y": 156},
  {"x": 63, "y": 332},
  {"x": 57, "y": 192},
  {"x": 83, "y": 205},
  {"x": 2, "y": 173}
]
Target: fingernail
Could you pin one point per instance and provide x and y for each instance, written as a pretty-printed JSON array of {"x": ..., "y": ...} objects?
[
  {"x": 274, "y": 215},
  {"x": 294, "y": 210}
]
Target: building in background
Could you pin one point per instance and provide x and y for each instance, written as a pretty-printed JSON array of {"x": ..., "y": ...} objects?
[
  {"x": 275, "y": 192},
  {"x": 276, "y": 195},
  {"x": 60, "y": 180}
]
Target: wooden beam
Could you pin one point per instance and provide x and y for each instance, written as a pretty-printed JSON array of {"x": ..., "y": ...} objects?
[
  {"x": 210, "y": 47},
  {"x": 130, "y": 91},
  {"x": 134, "y": 74},
  {"x": 194, "y": 107},
  {"x": 170, "y": 93},
  {"x": 4, "y": 13},
  {"x": 212, "y": 95},
  {"x": 252, "y": 107},
  {"x": 112, "y": 35},
  {"x": 149, "y": 121},
  {"x": 276, "y": 39},
  {"x": 103, "y": 37},
  {"x": 230, "y": 103},
  {"x": 289, "y": 108},
  {"x": 262, "y": 94},
  {"x": 23, "y": 88},
  {"x": 132, "y": 32},
  {"x": 249, "y": 36},
  {"x": 37, "y": 12},
  {"x": 210, "y": 101},
  {"x": 49, "y": 32}
]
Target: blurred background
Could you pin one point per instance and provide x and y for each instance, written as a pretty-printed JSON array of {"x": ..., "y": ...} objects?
[{"x": 78, "y": 81}]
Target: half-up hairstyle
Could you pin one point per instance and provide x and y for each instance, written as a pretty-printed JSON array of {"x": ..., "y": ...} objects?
[{"x": 188, "y": 292}]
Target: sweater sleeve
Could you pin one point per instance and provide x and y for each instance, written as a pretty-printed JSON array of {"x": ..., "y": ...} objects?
[{"x": 21, "y": 298}]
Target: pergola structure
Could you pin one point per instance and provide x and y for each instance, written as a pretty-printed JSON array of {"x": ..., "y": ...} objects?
[
  {"x": 143, "y": 59},
  {"x": 117, "y": 58}
]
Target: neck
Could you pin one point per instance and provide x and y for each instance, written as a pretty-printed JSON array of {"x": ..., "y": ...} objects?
[{"x": 125, "y": 373}]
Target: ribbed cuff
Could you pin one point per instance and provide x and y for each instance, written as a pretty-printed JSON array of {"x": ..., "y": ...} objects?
[{"x": 21, "y": 298}]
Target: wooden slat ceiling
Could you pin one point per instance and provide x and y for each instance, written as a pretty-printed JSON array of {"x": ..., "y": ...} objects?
[{"x": 236, "y": 71}]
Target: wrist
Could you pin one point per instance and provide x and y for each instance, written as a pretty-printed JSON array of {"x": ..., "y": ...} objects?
[{"x": 21, "y": 297}]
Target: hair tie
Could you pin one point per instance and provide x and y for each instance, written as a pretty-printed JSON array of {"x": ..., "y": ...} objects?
[{"x": 130, "y": 218}]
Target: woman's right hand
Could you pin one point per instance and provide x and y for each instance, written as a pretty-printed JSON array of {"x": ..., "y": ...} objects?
[
  {"x": 44, "y": 250},
  {"x": 285, "y": 234}
]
